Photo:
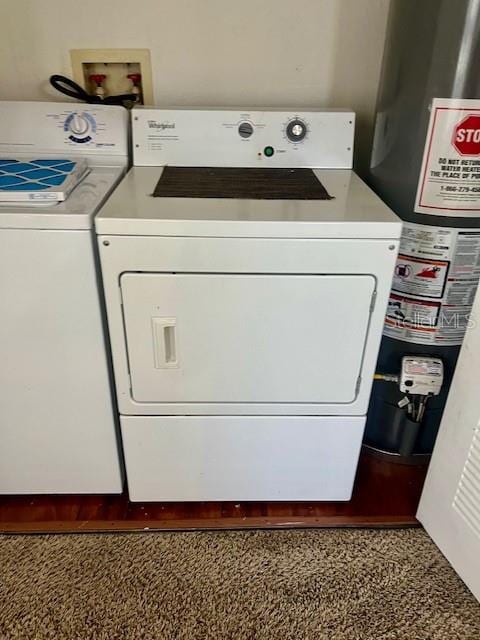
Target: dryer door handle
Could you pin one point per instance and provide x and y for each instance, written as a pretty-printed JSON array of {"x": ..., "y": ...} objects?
[{"x": 165, "y": 342}]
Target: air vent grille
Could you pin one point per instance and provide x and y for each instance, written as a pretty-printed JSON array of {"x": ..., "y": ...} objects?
[{"x": 467, "y": 497}]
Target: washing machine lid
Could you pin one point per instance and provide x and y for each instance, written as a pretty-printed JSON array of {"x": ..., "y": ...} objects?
[
  {"x": 349, "y": 210},
  {"x": 75, "y": 212}
]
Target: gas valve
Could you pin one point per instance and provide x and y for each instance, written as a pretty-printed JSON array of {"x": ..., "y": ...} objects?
[{"x": 420, "y": 378}]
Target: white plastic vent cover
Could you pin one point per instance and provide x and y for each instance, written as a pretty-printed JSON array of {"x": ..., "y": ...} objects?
[{"x": 467, "y": 497}]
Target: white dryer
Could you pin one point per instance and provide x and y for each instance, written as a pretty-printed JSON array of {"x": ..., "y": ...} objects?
[
  {"x": 246, "y": 272},
  {"x": 58, "y": 164}
]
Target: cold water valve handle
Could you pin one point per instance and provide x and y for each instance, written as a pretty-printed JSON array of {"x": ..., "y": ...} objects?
[{"x": 136, "y": 80}]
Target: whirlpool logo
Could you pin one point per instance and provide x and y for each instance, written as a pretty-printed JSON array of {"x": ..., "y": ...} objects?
[{"x": 153, "y": 124}]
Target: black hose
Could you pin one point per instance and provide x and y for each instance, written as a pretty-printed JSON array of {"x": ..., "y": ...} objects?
[{"x": 70, "y": 88}]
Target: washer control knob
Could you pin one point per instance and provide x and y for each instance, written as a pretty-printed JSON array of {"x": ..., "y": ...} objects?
[
  {"x": 245, "y": 130},
  {"x": 78, "y": 125},
  {"x": 296, "y": 130}
]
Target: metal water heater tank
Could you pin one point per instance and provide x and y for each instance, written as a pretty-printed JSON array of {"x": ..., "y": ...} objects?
[{"x": 426, "y": 166}]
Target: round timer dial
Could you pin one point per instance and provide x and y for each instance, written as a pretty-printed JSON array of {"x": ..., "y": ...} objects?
[
  {"x": 78, "y": 125},
  {"x": 296, "y": 130},
  {"x": 245, "y": 130}
]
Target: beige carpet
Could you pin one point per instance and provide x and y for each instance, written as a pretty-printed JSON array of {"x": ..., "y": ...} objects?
[{"x": 316, "y": 584}]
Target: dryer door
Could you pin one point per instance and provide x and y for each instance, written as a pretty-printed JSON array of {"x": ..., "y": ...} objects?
[{"x": 228, "y": 338}]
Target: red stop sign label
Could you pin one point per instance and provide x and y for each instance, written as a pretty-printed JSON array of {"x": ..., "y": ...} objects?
[{"x": 466, "y": 136}]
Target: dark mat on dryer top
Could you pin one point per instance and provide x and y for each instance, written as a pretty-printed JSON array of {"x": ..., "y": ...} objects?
[{"x": 241, "y": 183}]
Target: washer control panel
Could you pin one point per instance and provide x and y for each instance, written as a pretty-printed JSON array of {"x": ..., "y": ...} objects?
[
  {"x": 228, "y": 137},
  {"x": 63, "y": 128}
]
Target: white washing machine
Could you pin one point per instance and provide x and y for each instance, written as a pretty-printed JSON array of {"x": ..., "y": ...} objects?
[
  {"x": 246, "y": 271},
  {"x": 58, "y": 164}
]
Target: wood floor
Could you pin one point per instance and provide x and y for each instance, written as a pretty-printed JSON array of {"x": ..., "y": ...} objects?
[{"x": 385, "y": 494}]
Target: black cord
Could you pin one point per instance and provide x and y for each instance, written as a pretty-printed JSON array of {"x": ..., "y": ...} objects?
[{"x": 73, "y": 90}]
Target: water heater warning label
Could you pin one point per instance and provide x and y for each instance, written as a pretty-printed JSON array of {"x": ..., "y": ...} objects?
[
  {"x": 427, "y": 277},
  {"x": 449, "y": 182},
  {"x": 436, "y": 277}
]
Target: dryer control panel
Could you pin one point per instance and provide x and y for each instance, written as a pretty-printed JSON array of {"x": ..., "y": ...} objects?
[{"x": 243, "y": 138}]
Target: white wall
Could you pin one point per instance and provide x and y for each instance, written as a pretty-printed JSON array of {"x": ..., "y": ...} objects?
[{"x": 209, "y": 52}]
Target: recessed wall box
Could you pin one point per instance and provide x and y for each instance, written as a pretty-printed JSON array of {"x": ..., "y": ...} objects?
[{"x": 116, "y": 65}]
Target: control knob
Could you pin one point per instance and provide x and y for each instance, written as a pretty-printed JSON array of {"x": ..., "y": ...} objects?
[
  {"x": 78, "y": 125},
  {"x": 296, "y": 130},
  {"x": 245, "y": 130}
]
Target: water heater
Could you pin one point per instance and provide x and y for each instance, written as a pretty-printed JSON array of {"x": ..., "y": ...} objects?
[{"x": 426, "y": 166}]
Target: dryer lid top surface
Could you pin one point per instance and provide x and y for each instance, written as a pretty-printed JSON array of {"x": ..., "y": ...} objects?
[{"x": 354, "y": 212}]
